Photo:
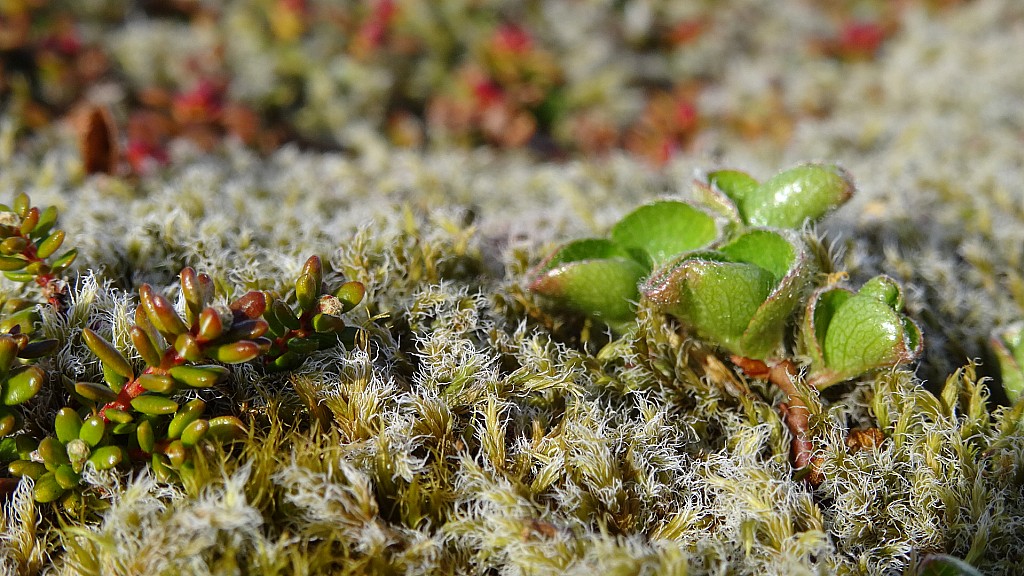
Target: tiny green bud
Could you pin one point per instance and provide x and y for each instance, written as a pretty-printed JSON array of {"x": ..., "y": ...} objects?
[{"x": 78, "y": 452}]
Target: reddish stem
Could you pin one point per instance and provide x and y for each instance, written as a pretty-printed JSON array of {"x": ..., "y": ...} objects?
[
  {"x": 795, "y": 412},
  {"x": 133, "y": 389}
]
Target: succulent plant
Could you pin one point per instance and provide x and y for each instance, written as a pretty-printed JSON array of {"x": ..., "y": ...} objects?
[
  {"x": 316, "y": 325},
  {"x": 738, "y": 295},
  {"x": 28, "y": 244},
  {"x": 847, "y": 334}
]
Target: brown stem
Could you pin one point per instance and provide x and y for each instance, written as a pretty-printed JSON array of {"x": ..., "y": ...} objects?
[{"x": 795, "y": 412}]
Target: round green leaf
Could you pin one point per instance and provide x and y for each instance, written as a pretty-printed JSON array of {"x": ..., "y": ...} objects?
[{"x": 664, "y": 229}]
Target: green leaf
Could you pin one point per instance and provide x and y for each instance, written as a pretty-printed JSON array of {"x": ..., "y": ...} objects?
[
  {"x": 604, "y": 289},
  {"x": 663, "y": 230},
  {"x": 107, "y": 354},
  {"x": 1008, "y": 349},
  {"x": 713, "y": 296},
  {"x": 23, "y": 383},
  {"x": 864, "y": 333},
  {"x": 733, "y": 183},
  {"x": 154, "y": 405},
  {"x": 791, "y": 197}
]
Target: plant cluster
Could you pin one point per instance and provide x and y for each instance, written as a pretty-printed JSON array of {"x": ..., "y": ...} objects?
[
  {"x": 143, "y": 416},
  {"x": 739, "y": 275},
  {"x": 409, "y": 70}
]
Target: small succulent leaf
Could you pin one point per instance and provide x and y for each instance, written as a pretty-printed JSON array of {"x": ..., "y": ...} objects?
[
  {"x": 735, "y": 184},
  {"x": 27, "y": 468},
  {"x": 793, "y": 196},
  {"x": 197, "y": 289},
  {"x": 39, "y": 348},
  {"x": 664, "y": 229},
  {"x": 22, "y": 277},
  {"x": 66, "y": 477},
  {"x": 29, "y": 222},
  {"x": 251, "y": 305},
  {"x": 160, "y": 312},
  {"x": 51, "y": 244},
  {"x": 118, "y": 416},
  {"x": 93, "y": 429},
  {"x": 47, "y": 489},
  {"x": 604, "y": 289},
  {"x": 12, "y": 263},
  {"x": 187, "y": 347},
  {"x": 67, "y": 425},
  {"x": 154, "y": 405},
  {"x": 108, "y": 354},
  {"x": 9, "y": 422},
  {"x": 159, "y": 383},
  {"x": 107, "y": 457},
  {"x": 24, "y": 319},
  {"x": 144, "y": 346},
  {"x": 247, "y": 330},
  {"x": 13, "y": 245},
  {"x": 47, "y": 218},
  {"x": 226, "y": 428},
  {"x": 52, "y": 453},
  {"x": 350, "y": 294},
  {"x": 22, "y": 202},
  {"x": 112, "y": 378},
  {"x": 283, "y": 313},
  {"x": 199, "y": 376},
  {"x": 8, "y": 352},
  {"x": 712, "y": 296},
  {"x": 210, "y": 325},
  {"x": 194, "y": 433},
  {"x": 23, "y": 383},
  {"x": 326, "y": 323},
  {"x": 65, "y": 260},
  {"x": 307, "y": 292},
  {"x": 235, "y": 352},
  {"x": 176, "y": 453},
  {"x": 188, "y": 414},
  {"x": 145, "y": 436}
]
